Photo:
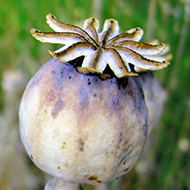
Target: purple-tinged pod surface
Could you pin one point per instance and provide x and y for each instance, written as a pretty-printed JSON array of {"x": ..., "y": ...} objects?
[{"x": 80, "y": 128}]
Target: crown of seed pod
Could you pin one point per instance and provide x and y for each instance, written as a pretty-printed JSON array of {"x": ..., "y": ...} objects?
[{"x": 83, "y": 117}]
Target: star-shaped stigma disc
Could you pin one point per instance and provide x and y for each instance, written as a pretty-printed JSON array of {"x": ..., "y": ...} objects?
[{"x": 122, "y": 53}]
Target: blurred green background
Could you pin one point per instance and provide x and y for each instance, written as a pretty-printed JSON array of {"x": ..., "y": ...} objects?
[{"x": 21, "y": 56}]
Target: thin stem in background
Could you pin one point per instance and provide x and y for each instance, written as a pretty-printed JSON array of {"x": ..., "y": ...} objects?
[
  {"x": 171, "y": 81},
  {"x": 151, "y": 22},
  {"x": 97, "y": 8}
]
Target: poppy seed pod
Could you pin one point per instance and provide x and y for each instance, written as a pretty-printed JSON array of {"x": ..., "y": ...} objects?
[
  {"x": 80, "y": 128},
  {"x": 83, "y": 116}
]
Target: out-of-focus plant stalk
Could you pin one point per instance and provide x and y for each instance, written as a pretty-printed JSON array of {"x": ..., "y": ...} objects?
[
  {"x": 97, "y": 7},
  {"x": 151, "y": 22},
  {"x": 173, "y": 80}
]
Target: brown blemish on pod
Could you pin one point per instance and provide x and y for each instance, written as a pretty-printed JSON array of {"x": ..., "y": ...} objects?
[
  {"x": 63, "y": 146},
  {"x": 126, "y": 169},
  {"x": 94, "y": 178}
]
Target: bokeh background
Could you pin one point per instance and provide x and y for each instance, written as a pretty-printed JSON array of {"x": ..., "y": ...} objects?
[{"x": 166, "y": 164}]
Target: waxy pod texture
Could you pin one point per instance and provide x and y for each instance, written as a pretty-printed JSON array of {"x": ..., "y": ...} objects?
[{"x": 80, "y": 128}]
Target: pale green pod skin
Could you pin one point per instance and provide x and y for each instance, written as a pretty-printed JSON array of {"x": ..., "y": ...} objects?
[{"x": 80, "y": 128}]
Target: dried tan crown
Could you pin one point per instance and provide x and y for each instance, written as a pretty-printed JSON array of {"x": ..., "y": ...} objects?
[{"x": 102, "y": 50}]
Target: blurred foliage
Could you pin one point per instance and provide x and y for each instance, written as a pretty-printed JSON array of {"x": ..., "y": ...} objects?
[{"x": 167, "y": 21}]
